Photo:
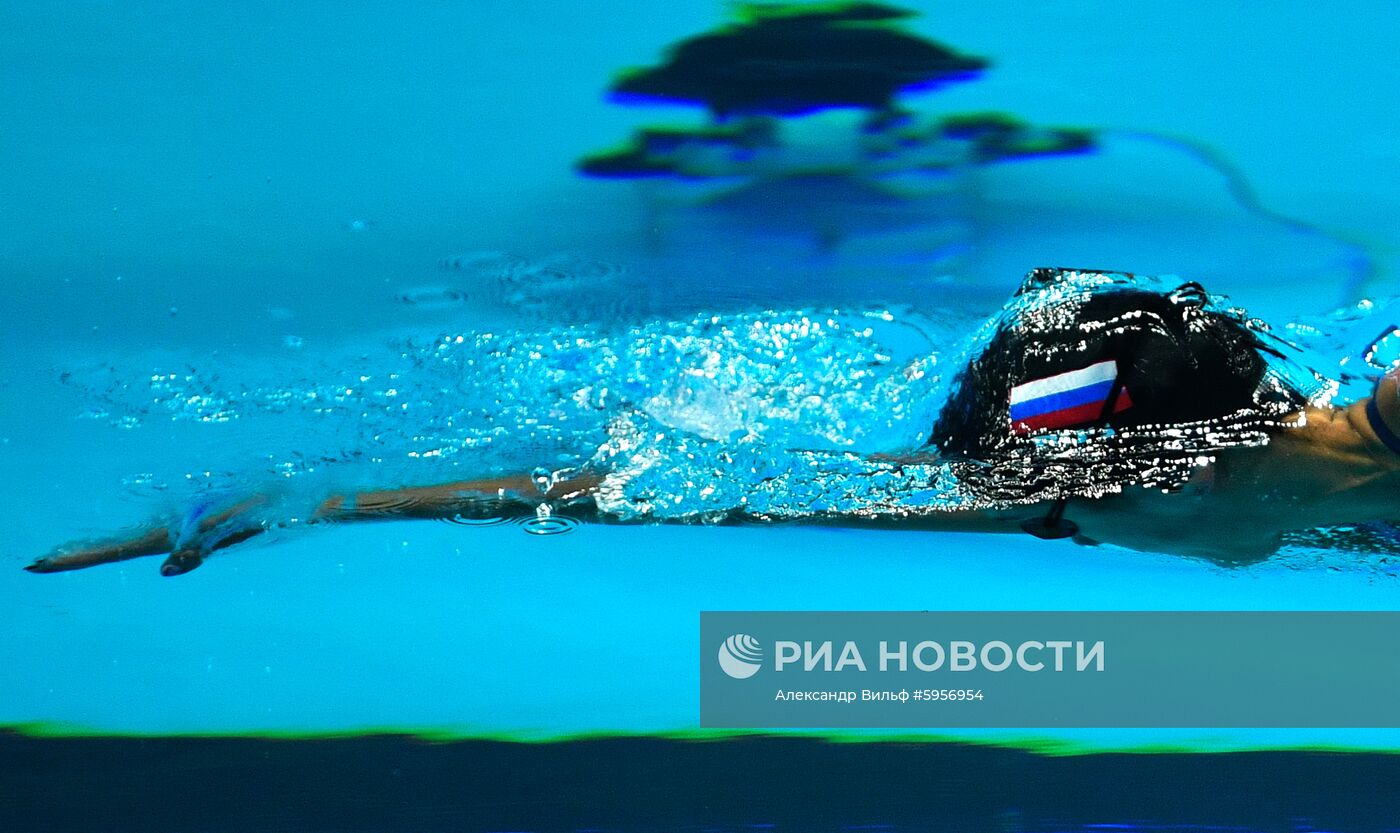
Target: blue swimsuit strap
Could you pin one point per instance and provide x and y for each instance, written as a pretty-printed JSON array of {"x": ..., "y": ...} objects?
[{"x": 1373, "y": 416}]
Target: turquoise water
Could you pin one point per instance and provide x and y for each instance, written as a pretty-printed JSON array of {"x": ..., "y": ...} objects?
[{"x": 313, "y": 247}]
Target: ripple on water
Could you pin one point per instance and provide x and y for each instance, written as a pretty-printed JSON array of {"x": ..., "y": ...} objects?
[
  {"x": 432, "y": 297},
  {"x": 565, "y": 287},
  {"x": 549, "y": 524},
  {"x": 465, "y": 520},
  {"x": 540, "y": 524},
  {"x": 576, "y": 268},
  {"x": 487, "y": 263},
  {"x": 143, "y": 487}
]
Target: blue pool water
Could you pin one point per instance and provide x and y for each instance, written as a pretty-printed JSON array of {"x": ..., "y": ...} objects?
[{"x": 307, "y": 248}]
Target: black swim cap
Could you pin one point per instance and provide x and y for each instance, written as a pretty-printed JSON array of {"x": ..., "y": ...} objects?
[{"x": 1179, "y": 357}]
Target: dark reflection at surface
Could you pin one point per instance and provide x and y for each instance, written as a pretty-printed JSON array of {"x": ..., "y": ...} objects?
[
  {"x": 809, "y": 169},
  {"x": 790, "y": 59}
]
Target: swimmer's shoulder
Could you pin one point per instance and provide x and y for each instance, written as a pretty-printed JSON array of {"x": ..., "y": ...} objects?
[
  {"x": 1365, "y": 433},
  {"x": 1376, "y": 421},
  {"x": 1386, "y": 404}
]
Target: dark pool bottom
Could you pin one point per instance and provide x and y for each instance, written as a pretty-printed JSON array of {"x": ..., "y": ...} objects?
[{"x": 402, "y": 785}]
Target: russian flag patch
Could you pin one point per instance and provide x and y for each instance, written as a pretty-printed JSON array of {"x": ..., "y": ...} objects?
[{"x": 1066, "y": 399}]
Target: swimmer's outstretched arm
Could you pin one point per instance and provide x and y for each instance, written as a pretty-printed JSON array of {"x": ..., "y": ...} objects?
[
  {"x": 487, "y": 498},
  {"x": 484, "y": 498}
]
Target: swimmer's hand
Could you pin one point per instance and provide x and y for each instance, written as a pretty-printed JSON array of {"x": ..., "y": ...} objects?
[
  {"x": 187, "y": 542},
  {"x": 76, "y": 557},
  {"x": 209, "y": 526}
]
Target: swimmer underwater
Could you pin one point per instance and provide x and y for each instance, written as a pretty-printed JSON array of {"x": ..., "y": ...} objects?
[{"x": 1095, "y": 409}]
